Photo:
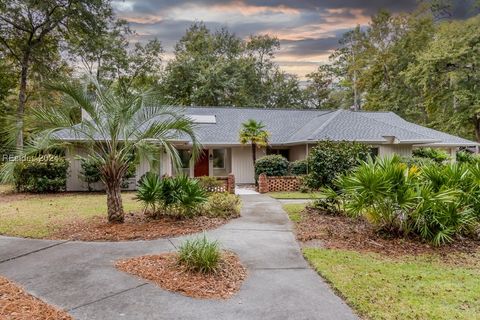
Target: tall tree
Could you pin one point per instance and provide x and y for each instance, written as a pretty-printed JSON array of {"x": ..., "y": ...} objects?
[
  {"x": 448, "y": 74},
  {"x": 219, "y": 68},
  {"x": 319, "y": 88},
  {"x": 116, "y": 127},
  {"x": 254, "y": 132},
  {"x": 31, "y": 29}
]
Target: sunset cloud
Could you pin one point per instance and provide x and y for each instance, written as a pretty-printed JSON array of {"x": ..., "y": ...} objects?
[{"x": 308, "y": 30}]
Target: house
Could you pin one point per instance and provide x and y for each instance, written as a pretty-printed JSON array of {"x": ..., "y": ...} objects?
[{"x": 292, "y": 134}]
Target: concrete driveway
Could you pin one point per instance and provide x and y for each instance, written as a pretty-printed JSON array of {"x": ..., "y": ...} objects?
[{"x": 80, "y": 278}]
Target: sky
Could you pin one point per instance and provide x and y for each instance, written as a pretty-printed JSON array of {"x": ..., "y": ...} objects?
[{"x": 308, "y": 30}]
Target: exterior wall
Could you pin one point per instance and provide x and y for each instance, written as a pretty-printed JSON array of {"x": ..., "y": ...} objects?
[
  {"x": 242, "y": 165},
  {"x": 404, "y": 150},
  {"x": 298, "y": 152}
]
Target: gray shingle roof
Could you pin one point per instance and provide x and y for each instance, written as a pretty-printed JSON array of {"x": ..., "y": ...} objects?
[{"x": 290, "y": 126}]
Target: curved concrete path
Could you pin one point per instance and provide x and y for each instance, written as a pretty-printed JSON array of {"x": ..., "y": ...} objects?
[{"x": 80, "y": 278}]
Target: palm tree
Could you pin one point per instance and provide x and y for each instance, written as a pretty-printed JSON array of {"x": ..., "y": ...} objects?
[
  {"x": 115, "y": 127},
  {"x": 254, "y": 132}
]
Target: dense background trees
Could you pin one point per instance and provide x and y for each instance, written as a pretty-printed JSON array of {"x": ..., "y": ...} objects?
[{"x": 421, "y": 65}]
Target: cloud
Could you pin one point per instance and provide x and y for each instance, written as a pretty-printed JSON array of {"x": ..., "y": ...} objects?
[{"x": 308, "y": 29}]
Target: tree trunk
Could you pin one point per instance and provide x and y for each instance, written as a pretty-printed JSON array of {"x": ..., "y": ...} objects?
[
  {"x": 114, "y": 203},
  {"x": 22, "y": 99},
  {"x": 254, "y": 154}
]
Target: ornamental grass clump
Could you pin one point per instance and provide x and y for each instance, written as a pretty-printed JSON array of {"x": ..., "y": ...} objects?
[{"x": 200, "y": 255}]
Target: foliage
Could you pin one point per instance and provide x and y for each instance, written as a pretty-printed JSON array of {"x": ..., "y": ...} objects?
[
  {"x": 254, "y": 132},
  {"x": 272, "y": 165},
  {"x": 329, "y": 202},
  {"x": 122, "y": 119},
  {"x": 404, "y": 287},
  {"x": 31, "y": 36},
  {"x": 329, "y": 159},
  {"x": 149, "y": 191},
  {"x": 299, "y": 167},
  {"x": 210, "y": 184},
  {"x": 179, "y": 196},
  {"x": 435, "y": 202},
  {"x": 467, "y": 157},
  {"x": 46, "y": 173},
  {"x": 218, "y": 68},
  {"x": 200, "y": 255},
  {"x": 221, "y": 205},
  {"x": 91, "y": 172},
  {"x": 434, "y": 154}
]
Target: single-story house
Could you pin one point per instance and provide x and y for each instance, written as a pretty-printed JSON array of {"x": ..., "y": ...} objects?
[{"x": 293, "y": 133}]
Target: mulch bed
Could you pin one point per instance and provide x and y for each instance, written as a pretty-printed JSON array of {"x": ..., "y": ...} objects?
[
  {"x": 165, "y": 271},
  {"x": 319, "y": 229},
  {"x": 136, "y": 227},
  {"x": 16, "y": 304}
]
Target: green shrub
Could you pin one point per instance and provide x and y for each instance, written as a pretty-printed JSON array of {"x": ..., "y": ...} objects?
[
  {"x": 299, "y": 167},
  {"x": 329, "y": 159},
  {"x": 222, "y": 205},
  {"x": 330, "y": 202},
  {"x": 45, "y": 173},
  {"x": 90, "y": 172},
  {"x": 210, "y": 184},
  {"x": 436, "y": 202},
  {"x": 148, "y": 191},
  {"x": 434, "y": 154},
  {"x": 178, "y": 196},
  {"x": 272, "y": 165},
  {"x": 467, "y": 157},
  {"x": 417, "y": 162},
  {"x": 200, "y": 255}
]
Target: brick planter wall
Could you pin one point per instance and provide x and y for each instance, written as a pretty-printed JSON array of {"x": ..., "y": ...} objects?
[
  {"x": 274, "y": 184},
  {"x": 227, "y": 185}
]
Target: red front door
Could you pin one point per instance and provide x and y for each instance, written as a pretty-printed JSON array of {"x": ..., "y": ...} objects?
[{"x": 201, "y": 166}]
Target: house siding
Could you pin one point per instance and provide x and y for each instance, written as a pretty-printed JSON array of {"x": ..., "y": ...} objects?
[
  {"x": 298, "y": 152},
  {"x": 242, "y": 165},
  {"x": 403, "y": 150}
]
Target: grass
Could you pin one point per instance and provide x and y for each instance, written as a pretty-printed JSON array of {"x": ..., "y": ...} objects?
[
  {"x": 294, "y": 210},
  {"x": 200, "y": 255},
  {"x": 411, "y": 288},
  {"x": 37, "y": 216},
  {"x": 294, "y": 195}
]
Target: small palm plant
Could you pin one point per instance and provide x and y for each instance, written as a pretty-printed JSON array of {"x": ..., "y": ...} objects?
[
  {"x": 254, "y": 132},
  {"x": 116, "y": 125}
]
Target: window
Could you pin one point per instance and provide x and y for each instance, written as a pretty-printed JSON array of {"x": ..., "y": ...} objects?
[
  {"x": 185, "y": 156},
  {"x": 219, "y": 158}
]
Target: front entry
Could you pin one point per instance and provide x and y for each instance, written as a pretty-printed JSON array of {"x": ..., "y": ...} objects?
[{"x": 201, "y": 166}]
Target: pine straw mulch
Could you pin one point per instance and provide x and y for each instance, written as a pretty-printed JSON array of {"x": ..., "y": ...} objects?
[
  {"x": 317, "y": 228},
  {"x": 135, "y": 227},
  {"x": 16, "y": 304},
  {"x": 165, "y": 271}
]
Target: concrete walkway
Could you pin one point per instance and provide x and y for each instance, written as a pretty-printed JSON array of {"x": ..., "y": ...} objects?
[{"x": 80, "y": 278}]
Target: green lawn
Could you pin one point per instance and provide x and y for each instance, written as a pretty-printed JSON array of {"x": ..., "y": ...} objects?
[
  {"x": 410, "y": 288},
  {"x": 294, "y": 195},
  {"x": 39, "y": 216},
  {"x": 293, "y": 210}
]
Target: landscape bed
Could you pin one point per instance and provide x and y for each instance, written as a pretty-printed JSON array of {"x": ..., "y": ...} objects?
[
  {"x": 165, "y": 271},
  {"x": 16, "y": 304},
  {"x": 82, "y": 216},
  {"x": 390, "y": 278}
]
